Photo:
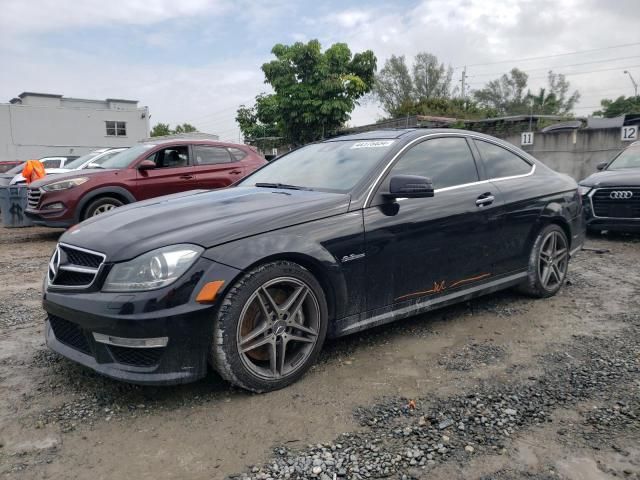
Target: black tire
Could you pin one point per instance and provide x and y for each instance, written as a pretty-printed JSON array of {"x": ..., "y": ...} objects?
[
  {"x": 101, "y": 205},
  {"x": 537, "y": 283},
  {"x": 258, "y": 369}
]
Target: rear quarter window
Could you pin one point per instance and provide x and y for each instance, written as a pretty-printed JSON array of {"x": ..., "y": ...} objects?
[{"x": 500, "y": 162}]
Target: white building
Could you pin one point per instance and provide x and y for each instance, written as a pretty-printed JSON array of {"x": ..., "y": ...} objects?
[{"x": 35, "y": 125}]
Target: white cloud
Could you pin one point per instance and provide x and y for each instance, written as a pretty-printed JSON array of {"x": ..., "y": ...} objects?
[{"x": 34, "y": 16}]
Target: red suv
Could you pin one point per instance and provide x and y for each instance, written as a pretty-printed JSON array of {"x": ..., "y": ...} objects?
[{"x": 144, "y": 171}]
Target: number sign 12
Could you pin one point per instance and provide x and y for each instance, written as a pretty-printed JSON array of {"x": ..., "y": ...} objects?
[
  {"x": 629, "y": 133},
  {"x": 526, "y": 138}
]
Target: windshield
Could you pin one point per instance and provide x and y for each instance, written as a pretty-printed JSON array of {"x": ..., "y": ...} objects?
[
  {"x": 124, "y": 159},
  {"x": 630, "y": 158},
  {"x": 334, "y": 166},
  {"x": 80, "y": 160}
]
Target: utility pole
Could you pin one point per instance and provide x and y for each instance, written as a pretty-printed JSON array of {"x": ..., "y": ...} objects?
[
  {"x": 635, "y": 85},
  {"x": 463, "y": 81}
]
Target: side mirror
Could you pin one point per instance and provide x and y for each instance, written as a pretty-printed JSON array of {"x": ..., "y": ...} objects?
[
  {"x": 410, "y": 186},
  {"x": 602, "y": 165},
  {"x": 147, "y": 165}
]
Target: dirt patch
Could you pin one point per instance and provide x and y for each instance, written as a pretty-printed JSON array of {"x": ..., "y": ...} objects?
[{"x": 498, "y": 388}]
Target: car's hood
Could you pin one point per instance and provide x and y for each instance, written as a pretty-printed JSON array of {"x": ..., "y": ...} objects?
[
  {"x": 629, "y": 177},
  {"x": 202, "y": 217},
  {"x": 65, "y": 173}
]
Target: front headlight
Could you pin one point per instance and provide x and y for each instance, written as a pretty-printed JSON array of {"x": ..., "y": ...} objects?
[
  {"x": 583, "y": 190},
  {"x": 152, "y": 270},
  {"x": 64, "y": 184}
]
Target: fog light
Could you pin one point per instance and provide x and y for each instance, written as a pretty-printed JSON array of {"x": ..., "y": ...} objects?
[
  {"x": 131, "y": 342},
  {"x": 54, "y": 206}
]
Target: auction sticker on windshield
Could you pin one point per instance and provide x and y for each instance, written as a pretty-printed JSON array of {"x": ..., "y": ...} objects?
[{"x": 372, "y": 144}]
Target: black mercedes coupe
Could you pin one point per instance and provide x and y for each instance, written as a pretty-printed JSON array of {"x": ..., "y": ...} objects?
[
  {"x": 327, "y": 240},
  {"x": 612, "y": 195}
]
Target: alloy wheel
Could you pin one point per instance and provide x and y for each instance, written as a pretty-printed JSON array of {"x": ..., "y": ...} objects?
[
  {"x": 553, "y": 260},
  {"x": 278, "y": 328},
  {"x": 103, "y": 209}
]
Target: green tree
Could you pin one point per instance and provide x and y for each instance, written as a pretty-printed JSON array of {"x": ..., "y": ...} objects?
[
  {"x": 400, "y": 92},
  {"x": 554, "y": 100},
  {"x": 430, "y": 78},
  {"x": 394, "y": 86},
  {"x": 619, "y": 106},
  {"x": 314, "y": 92},
  {"x": 505, "y": 95},
  {"x": 185, "y": 128},
  {"x": 160, "y": 130}
]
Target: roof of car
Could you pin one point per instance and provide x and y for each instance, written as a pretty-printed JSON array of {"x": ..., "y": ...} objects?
[
  {"x": 177, "y": 141},
  {"x": 408, "y": 133}
]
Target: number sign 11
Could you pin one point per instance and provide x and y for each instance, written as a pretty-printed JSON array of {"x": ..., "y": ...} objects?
[{"x": 526, "y": 138}]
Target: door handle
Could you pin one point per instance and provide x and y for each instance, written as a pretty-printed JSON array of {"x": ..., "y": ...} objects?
[
  {"x": 485, "y": 199},
  {"x": 235, "y": 171},
  {"x": 186, "y": 177}
]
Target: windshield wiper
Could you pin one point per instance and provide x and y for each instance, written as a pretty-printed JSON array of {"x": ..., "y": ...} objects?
[{"x": 281, "y": 185}]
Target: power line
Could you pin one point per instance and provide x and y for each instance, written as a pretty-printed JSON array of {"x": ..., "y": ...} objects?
[
  {"x": 528, "y": 59},
  {"x": 561, "y": 66}
]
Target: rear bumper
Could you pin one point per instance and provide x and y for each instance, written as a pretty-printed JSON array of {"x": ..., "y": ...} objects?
[{"x": 614, "y": 224}]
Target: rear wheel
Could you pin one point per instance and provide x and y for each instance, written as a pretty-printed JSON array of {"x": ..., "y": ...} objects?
[
  {"x": 270, "y": 327},
  {"x": 100, "y": 206},
  {"x": 548, "y": 263}
]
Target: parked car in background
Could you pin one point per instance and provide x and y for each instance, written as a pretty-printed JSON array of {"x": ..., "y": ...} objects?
[
  {"x": 143, "y": 171},
  {"x": 90, "y": 160},
  {"x": 612, "y": 195},
  {"x": 51, "y": 165},
  {"x": 327, "y": 240},
  {"x": 8, "y": 165}
]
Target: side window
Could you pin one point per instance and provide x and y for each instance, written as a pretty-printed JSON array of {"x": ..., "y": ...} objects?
[
  {"x": 499, "y": 162},
  {"x": 446, "y": 161},
  {"x": 206, "y": 155},
  {"x": 171, "y": 157},
  {"x": 237, "y": 154},
  {"x": 51, "y": 163}
]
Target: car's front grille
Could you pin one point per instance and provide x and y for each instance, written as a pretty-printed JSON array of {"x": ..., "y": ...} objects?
[
  {"x": 138, "y": 357},
  {"x": 74, "y": 267},
  {"x": 82, "y": 258},
  {"x": 618, "y": 202},
  {"x": 33, "y": 197},
  {"x": 70, "y": 334}
]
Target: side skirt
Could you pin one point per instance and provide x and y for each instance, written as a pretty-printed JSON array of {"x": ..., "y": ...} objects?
[{"x": 381, "y": 316}]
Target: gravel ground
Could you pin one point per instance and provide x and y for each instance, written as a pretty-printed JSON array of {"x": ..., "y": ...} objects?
[{"x": 502, "y": 387}]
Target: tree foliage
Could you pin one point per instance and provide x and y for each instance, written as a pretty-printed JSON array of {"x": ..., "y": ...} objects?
[
  {"x": 314, "y": 92},
  {"x": 619, "y": 106},
  {"x": 506, "y": 95},
  {"x": 163, "y": 129},
  {"x": 160, "y": 130},
  {"x": 400, "y": 92}
]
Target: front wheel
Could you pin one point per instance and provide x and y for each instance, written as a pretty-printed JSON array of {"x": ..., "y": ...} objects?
[
  {"x": 100, "y": 206},
  {"x": 548, "y": 263},
  {"x": 270, "y": 327}
]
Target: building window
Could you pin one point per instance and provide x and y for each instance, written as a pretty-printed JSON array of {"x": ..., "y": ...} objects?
[{"x": 116, "y": 129}]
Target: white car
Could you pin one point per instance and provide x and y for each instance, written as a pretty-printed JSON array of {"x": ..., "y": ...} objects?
[{"x": 53, "y": 165}]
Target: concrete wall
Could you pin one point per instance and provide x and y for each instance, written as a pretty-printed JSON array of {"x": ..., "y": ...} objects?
[
  {"x": 574, "y": 152},
  {"x": 34, "y": 131}
]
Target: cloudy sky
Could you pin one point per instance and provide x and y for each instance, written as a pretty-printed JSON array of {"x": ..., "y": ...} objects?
[{"x": 196, "y": 60}]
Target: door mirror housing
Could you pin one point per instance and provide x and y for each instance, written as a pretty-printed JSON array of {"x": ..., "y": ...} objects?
[
  {"x": 602, "y": 165},
  {"x": 147, "y": 165},
  {"x": 410, "y": 186}
]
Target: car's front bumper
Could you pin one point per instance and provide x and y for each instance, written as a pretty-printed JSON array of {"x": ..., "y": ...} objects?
[
  {"x": 56, "y": 219},
  {"x": 121, "y": 322}
]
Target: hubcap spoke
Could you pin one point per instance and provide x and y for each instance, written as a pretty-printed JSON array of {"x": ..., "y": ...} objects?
[
  {"x": 303, "y": 328},
  {"x": 257, "y": 344},
  {"x": 546, "y": 273},
  {"x": 295, "y": 301},
  {"x": 282, "y": 355},
  {"x": 273, "y": 356},
  {"x": 298, "y": 338},
  {"x": 261, "y": 329},
  {"x": 265, "y": 296}
]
